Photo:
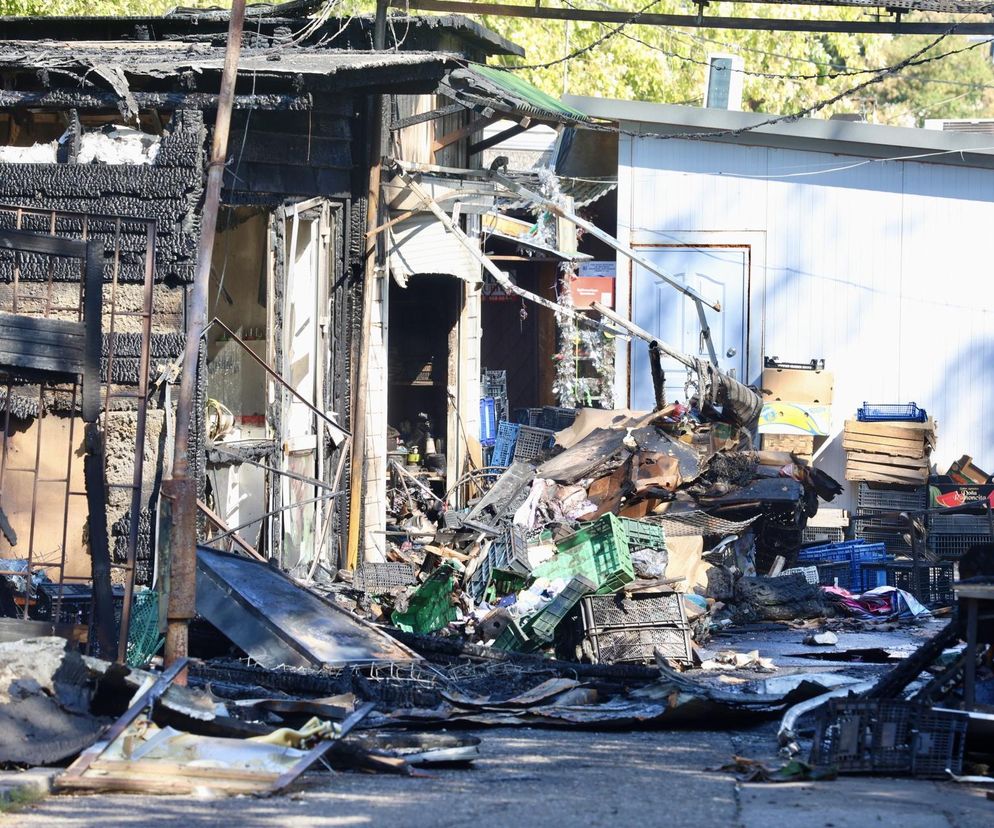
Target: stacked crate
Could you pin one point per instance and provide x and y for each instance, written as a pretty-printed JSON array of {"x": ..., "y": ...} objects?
[
  {"x": 617, "y": 630},
  {"x": 889, "y": 451},
  {"x": 873, "y": 502}
]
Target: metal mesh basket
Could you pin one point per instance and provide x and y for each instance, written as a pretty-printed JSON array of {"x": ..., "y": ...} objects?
[
  {"x": 377, "y": 578},
  {"x": 604, "y": 611},
  {"x": 639, "y": 644}
]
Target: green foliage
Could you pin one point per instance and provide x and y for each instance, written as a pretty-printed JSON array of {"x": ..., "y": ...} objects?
[
  {"x": 99, "y": 8},
  {"x": 788, "y": 71}
]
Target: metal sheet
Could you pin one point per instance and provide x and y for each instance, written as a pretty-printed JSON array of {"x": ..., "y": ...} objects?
[
  {"x": 422, "y": 244},
  {"x": 278, "y": 622}
]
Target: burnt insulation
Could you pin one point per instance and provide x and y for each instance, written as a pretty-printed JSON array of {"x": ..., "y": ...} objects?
[
  {"x": 161, "y": 346},
  {"x": 168, "y": 191}
]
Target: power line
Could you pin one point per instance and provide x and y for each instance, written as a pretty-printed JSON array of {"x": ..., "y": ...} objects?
[{"x": 912, "y": 59}]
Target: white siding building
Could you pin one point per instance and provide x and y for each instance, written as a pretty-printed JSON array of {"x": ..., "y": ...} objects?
[{"x": 868, "y": 246}]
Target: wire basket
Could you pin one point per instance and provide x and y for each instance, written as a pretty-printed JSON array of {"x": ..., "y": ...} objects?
[{"x": 880, "y": 412}]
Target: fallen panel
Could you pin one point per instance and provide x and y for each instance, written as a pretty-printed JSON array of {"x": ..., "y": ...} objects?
[{"x": 280, "y": 623}]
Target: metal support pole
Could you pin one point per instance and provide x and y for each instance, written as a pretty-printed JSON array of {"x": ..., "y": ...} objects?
[
  {"x": 357, "y": 464},
  {"x": 181, "y": 488}
]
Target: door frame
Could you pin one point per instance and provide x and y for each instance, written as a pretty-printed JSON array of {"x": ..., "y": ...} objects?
[
  {"x": 753, "y": 241},
  {"x": 328, "y": 222}
]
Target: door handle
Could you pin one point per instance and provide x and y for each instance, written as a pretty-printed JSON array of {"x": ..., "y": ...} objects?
[{"x": 730, "y": 353}]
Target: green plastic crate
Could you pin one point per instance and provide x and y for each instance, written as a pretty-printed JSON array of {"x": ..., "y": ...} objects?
[
  {"x": 542, "y": 625},
  {"x": 642, "y": 534},
  {"x": 514, "y": 639},
  {"x": 599, "y": 551},
  {"x": 430, "y": 607}
]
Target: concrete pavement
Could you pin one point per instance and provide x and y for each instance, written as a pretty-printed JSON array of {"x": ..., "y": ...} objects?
[{"x": 548, "y": 778}]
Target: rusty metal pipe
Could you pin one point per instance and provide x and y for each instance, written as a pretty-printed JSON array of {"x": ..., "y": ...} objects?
[{"x": 181, "y": 487}]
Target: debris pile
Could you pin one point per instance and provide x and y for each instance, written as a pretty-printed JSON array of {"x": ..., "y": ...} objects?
[{"x": 627, "y": 539}]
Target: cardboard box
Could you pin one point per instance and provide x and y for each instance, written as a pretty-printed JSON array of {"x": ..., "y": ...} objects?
[
  {"x": 797, "y": 386},
  {"x": 803, "y": 445},
  {"x": 795, "y": 418}
]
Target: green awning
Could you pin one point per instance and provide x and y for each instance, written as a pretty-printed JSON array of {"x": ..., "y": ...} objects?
[{"x": 507, "y": 93}]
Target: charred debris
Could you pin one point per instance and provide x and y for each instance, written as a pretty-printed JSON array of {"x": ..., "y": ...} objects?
[{"x": 463, "y": 563}]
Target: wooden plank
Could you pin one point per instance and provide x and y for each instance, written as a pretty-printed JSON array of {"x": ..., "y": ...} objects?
[
  {"x": 93, "y": 320},
  {"x": 887, "y": 460},
  {"x": 66, "y": 365},
  {"x": 885, "y": 441},
  {"x": 872, "y": 446},
  {"x": 40, "y": 324},
  {"x": 165, "y": 768},
  {"x": 891, "y": 473},
  {"x": 902, "y": 431},
  {"x": 876, "y": 477}
]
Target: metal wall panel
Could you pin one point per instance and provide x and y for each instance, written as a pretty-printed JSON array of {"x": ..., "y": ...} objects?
[{"x": 882, "y": 268}]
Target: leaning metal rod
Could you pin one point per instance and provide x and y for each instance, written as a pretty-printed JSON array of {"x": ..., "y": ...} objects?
[
  {"x": 293, "y": 505},
  {"x": 275, "y": 375},
  {"x": 180, "y": 488},
  {"x": 600, "y": 235},
  {"x": 300, "y": 478}
]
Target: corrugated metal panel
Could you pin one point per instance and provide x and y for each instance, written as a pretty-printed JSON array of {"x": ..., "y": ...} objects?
[
  {"x": 881, "y": 268},
  {"x": 422, "y": 244}
]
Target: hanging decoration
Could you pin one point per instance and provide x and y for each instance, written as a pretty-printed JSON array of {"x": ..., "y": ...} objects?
[{"x": 585, "y": 360}]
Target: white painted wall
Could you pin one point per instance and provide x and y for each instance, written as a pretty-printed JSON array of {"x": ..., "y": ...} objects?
[{"x": 883, "y": 269}]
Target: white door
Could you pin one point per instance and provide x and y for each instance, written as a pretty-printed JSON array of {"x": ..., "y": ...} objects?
[
  {"x": 303, "y": 367},
  {"x": 719, "y": 274}
]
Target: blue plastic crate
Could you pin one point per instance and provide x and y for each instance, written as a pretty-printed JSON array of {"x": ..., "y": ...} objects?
[
  {"x": 507, "y": 437},
  {"x": 876, "y": 412},
  {"x": 855, "y": 553},
  {"x": 488, "y": 421}
]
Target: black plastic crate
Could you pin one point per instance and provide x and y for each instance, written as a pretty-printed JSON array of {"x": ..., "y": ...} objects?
[
  {"x": 614, "y": 611},
  {"x": 639, "y": 644},
  {"x": 890, "y": 536},
  {"x": 891, "y": 498},
  {"x": 556, "y": 419},
  {"x": 531, "y": 442},
  {"x": 889, "y": 737},
  {"x": 952, "y": 547},
  {"x": 835, "y": 574},
  {"x": 960, "y": 525},
  {"x": 528, "y": 416},
  {"x": 935, "y": 588}
]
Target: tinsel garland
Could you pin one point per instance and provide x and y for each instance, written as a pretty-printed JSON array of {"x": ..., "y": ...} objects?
[{"x": 596, "y": 345}]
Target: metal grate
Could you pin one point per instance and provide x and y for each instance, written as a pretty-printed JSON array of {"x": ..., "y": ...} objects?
[
  {"x": 377, "y": 578},
  {"x": 52, "y": 287},
  {"x": 700, "y": 523}
]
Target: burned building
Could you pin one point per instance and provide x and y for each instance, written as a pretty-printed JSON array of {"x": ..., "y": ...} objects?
[{"x": 104, "y": 126}]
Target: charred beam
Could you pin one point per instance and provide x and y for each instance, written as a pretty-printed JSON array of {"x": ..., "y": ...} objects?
[{"x": 72, "y": 99}]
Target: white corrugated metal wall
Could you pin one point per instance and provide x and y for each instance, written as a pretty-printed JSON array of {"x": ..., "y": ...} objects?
[{"x": 883, "y": 269}]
